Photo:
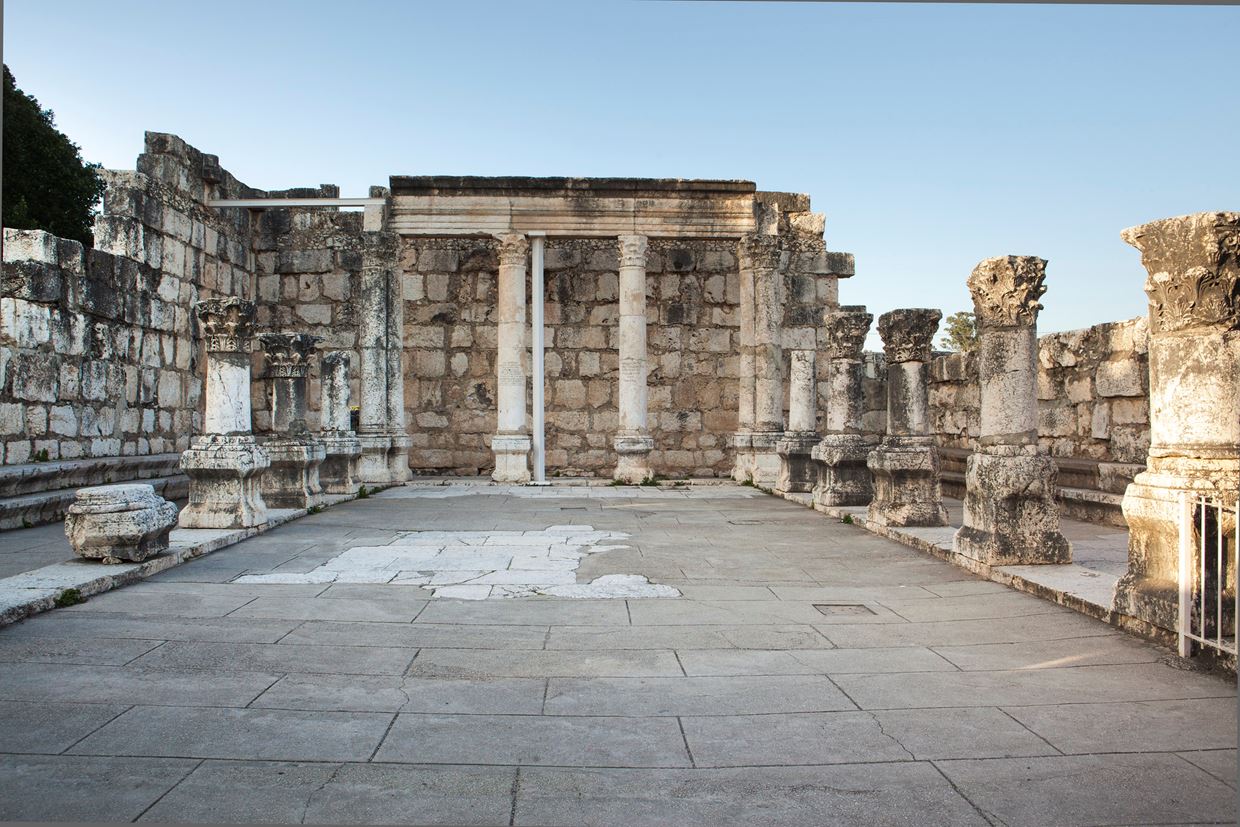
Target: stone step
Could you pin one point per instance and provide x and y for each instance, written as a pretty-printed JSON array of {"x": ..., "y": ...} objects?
[
  {"x": 26, "y": 510},
  {"x": 40, "y": 477}
]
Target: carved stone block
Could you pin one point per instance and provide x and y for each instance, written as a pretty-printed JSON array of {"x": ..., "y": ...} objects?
[{"x": 116, "y": 523}]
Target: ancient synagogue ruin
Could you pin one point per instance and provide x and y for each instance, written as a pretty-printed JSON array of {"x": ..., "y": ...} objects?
[{"x": 257, "y": 351}]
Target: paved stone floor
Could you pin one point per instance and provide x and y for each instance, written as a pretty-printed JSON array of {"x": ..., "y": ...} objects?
[{"x": 810, "y": 673}]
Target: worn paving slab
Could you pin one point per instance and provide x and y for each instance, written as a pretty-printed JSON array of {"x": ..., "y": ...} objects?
[{"x": 809, "y": 673}]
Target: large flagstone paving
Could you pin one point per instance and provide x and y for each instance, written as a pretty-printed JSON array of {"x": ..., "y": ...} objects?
[{"x": 809, "y": 673}]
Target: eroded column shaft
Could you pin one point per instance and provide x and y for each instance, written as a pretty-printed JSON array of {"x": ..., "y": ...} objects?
[
  {"x": 632, "y": 443},
  {"x": 511, "y": 443},
  {"x": 843, "y": 477}
]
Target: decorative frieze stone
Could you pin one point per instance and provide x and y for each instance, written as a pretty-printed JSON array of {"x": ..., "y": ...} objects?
[
  {"x": 1193, "y": 284},
  {"x": 839, "y": 458},
  {"x": 905, "y": 464},
  {"x": 1010, "y": 512},
  {"x": 119, "y": 523}
]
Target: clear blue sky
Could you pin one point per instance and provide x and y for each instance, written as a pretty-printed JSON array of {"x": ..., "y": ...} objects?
[{"x": 932, "y": 136}]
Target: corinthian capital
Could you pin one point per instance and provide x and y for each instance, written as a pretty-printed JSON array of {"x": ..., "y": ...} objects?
[
  {"x": 227, "y": 324},
  {"x": 1193, "y": 263},
  {"x": 1006, "y": 290},
  {"x": 288, "y": 354},
  {"x": 846, "y": 328},
  {"x": 758, "y": 252},
  {"x": 632, "y": 250},
  {"x": 513, "y": 248},
  {"x": 908, "y": 333}
]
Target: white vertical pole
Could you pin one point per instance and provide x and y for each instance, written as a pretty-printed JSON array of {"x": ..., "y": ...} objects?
[
  {"x": 1186, "y": 577},
  {"x": 537, "y": 297}
]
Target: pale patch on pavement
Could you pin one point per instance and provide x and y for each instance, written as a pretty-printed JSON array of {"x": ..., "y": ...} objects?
[{"x": 477, "y": 565}]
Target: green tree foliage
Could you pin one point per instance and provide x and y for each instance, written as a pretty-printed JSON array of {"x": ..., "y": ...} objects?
[
  {"x": 47, "y": 185},
  {"x": 960, "y": 332}
]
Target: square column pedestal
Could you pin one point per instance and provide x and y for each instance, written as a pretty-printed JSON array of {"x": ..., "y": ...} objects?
[
  {"x": 512, "y": 458},
  {"x": 633, "y": 457},
  {"x": 292, "y": 481},
  {"x": 765, "y": 460},
  {"x": 338, "y": 473},
  {"x": 384, "y": 459},
  {"x": 1013, "y": 518},
  {"x": 796, "y": 466},
  {"x": 906, "y": 483},
  {"x": 225, "y": 472},
  {"x": 843, "y": 476},
  {"x": 742, "y": 463}
]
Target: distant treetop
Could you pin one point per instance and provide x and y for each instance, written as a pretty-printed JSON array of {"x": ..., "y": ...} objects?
[
  {"x": 959, "y": 332},
  {"x": 47, "y": 185}
]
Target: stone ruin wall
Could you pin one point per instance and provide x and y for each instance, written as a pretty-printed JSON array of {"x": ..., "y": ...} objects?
[
  {"x": 1093, "y": 398},
  {"x": 97, "y": 352},
  {"x": 692, "y": 289}
]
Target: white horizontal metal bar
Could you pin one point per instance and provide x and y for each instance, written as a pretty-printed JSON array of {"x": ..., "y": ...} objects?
[{"x": 266, "y": 203}]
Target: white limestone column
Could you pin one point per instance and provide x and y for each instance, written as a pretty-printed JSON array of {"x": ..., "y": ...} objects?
[
  {"x": 632, "y": 443},
  {"x": 796, "y": 469},
  {"x": 373, "y": 298},
  {"x": 742, "y": 440},
  {"x": 338, "y": 473},
  {"x": 761, "y": 256},
  {"x": 802, "y": 412},
  {"x": 511, "y": 443},
  {"x": 843, "y": 477},
  {"x": 394, "y": 325},
  {"x": 225, "y": 464},
  {"x": 292, "y": 481}
]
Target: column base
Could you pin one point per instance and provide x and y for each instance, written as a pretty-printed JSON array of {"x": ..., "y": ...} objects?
[
  {"x": 742, "y": 458},
  {"x": 225, "y": 490},
  {"x": 797, "y": 473},
  {"x": 512, "y": 458},
  {"x": 633, "y": 457},
  {"x": 766, "y": 463},
  {"x": 843, "y": 476},
  {"x": 372, "y": 465},
  {"x": 1150, "y": 588},
  {"x": 116, "y": 523},
  {"x": 906, "y": 483},
  {"x": 292, "y": 481},
  {"x": 399, "y": 471},
  {"x": 338, "y": 473},
  {"x": 1010, "y": 514}
]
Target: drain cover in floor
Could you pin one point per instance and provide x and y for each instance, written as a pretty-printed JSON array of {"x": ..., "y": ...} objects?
[{"x": 843, "y": 609}]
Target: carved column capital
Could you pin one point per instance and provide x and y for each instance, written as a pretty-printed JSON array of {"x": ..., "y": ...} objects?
[
  {"x": 513, "y": 248},
  {"x": 908, "y": 333},
  {"x": 1006, "y": 290},
  {"x": 846, "y": 329},
  {"x": 1193, "y": 262},
  {"x": 633, "y": 250},
  {"x": 758, "y": 252},
  {"x": 288, "y": 354},
  {"x": 227, "y": 324}
]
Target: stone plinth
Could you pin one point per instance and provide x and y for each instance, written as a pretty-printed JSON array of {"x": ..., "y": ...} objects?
[
  {"x": 373, "y": 466},
  {"x": 632, "y": 457},
  {"x": 843, "y": 477},
  {"x": 398, "y": 459},
  {"x": 225, "y": 474},
  {"x": 512, "y": 458},
  {"x": 796, "y": 469},
  {"x": 116, "y": 523},
  {"x": 1194, "y": 299},
  {"x": 292, "y": 481},
  {"x": 338, "y": 472},
  {"x": 905, "y": 464},
  {"x": 224, "y": 464},
  {"x": 1010, "y": 512}
]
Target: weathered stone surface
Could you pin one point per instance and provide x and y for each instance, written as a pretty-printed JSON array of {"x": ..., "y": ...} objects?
[
  {"x": 225, "y": 472},
  {"x": 338, "y": 474},
  {"x": 842, "y": 477},
  {"x": 1194, "y": 350},
  {"x": 632, "y": 442},
  {"x": 1010, "y": 513},
  {"x": 905, "y": 464},
  {"x": 797, "y": 471},
  {"x": 116, "y": 523},
  {"x": 292, "y": 480}
]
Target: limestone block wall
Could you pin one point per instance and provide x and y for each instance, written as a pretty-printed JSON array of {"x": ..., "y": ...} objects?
[
  {"x": 307, "y": 266},
  {"x": 692, "y": 291},
  {"x": 1093, "y": 394}
]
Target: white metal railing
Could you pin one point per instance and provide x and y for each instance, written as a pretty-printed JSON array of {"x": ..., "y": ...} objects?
[{"x": 1207, "y": 568}]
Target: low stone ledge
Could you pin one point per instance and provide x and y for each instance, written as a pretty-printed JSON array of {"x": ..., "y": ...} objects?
[
  {"x": 58, "y": 475},
  {"x": 28, "y": 510},
  {"x": 34, "y": 592}
]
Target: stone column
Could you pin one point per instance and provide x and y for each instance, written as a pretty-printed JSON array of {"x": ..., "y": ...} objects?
[
  {"x": 905, "y": 464},
  {"x": 374, "y": 299},
  {"x": 633, "y": 443},
  {"x": 292, "y": 481},
  {"x": 840, "y": 458},
  {"x": 761, "y": 256},
  {"x": 338, "y": 473},
  {"x": 1194, "y": 295},
  {"x": 1010, "y": 513},
  {"x": 796, "y": 468},
  {"x": 225, "y": 463},
  {"x": 511, "y": 442},
  {"x": 742, "y": 440},
  {"x": 398, "y": 457}
]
